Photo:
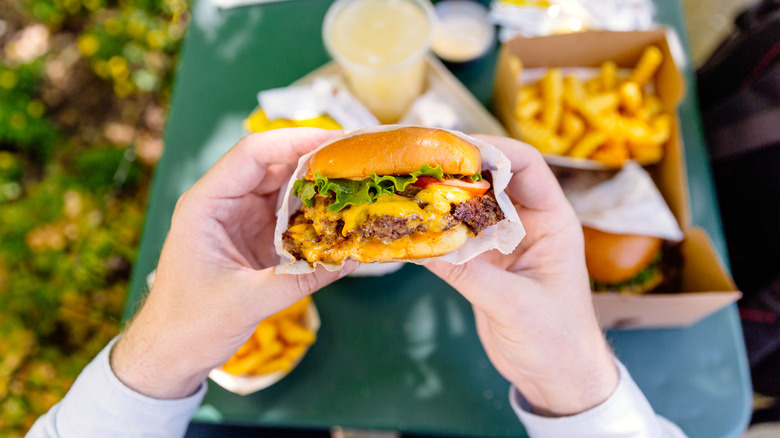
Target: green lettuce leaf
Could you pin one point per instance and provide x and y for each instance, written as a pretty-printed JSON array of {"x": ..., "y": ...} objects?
[{"x": 355, "y": 192}]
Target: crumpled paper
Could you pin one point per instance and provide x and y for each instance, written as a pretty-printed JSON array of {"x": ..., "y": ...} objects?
[
  {"x": 539, "y": 18},
  {"x": 321, "y": 96},
  {"x": 627, "y": 203},
  {"x": 505, "y": 236}
]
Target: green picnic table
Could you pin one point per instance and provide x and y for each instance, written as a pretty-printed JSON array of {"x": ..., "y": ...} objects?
[{"x": 400, "y": 352}]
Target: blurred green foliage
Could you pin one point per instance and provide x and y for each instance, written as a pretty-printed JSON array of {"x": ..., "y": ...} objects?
[{"x": 72, "y": 199}]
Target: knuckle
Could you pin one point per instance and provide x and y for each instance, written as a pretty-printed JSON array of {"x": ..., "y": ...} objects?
[
  {"x": 307, "y": 283},
  {"x": 459, "y": 274}
]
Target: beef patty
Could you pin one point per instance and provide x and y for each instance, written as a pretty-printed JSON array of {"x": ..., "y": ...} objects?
[{"x": 477, "y": 213}]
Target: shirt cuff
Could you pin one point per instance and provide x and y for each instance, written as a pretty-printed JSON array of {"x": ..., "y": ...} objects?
[
  {"x": 625, "y": 413},
  {"x": 99, "y": 404}
]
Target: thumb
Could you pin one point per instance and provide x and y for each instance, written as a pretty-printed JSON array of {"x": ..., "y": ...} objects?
[
  {"x": 482, "y": 283},
  {"x": 282, "y": 290}
]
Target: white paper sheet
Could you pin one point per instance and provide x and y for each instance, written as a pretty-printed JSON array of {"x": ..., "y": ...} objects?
[{"x": 627, "y": 203}]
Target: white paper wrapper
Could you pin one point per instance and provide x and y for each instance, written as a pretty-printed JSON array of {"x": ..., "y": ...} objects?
[
  {"x": 504, "y": 236},
  {"x": 432, "y": 111},
  {"x": 320, "y": 96},
  {"x": 627, "y": 203},
  {"x": 536, "y": 18},
  {"x": 244, "y": 385}
]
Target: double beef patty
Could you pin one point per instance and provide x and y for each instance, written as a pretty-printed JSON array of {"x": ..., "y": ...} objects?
[{"x": 477, "y": 213}]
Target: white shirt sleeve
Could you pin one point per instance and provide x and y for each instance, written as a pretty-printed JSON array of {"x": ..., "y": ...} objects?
[
  {"x": 626, "y": 413},
  {"x": 100, "y": 405}
]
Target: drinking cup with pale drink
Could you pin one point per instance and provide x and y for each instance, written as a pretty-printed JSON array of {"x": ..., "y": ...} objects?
[{"x": 381, "y": 47}]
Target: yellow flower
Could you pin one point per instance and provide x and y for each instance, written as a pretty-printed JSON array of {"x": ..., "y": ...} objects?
[
  {"x": 73, "y": 6},
  {"x": 6, "y": 160},
  {"x": 91, "y": 5},
  {"x": 88, "y": 44},
  {"x": 117, "y": 66},
  {"x": 101, "y": 69},
  {"x": 36, "y": 108},
  {"x": 8, "y": 79},
  {"x": 136, "y": 27},
  {"x": 177, "y": 6},
  {"x": 155, "y": 39},
  {"x": 18, "y": 121},
  {"x": 123, "y": 88},
  {"x": 113, "y": 26}
]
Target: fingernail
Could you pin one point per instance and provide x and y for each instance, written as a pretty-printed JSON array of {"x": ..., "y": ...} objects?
[{"x": 349, "y": 266}]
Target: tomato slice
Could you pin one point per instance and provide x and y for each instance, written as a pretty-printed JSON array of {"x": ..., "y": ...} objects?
[{"x": 476, "y": 188}]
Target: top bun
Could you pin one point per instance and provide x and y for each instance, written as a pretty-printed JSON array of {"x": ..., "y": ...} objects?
[
  {"x": 396, "y": 152},
  {"x": 614, "y": 258}
]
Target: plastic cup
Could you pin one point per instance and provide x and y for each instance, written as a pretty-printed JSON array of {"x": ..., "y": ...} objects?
[{"x": 381, "y": 47}]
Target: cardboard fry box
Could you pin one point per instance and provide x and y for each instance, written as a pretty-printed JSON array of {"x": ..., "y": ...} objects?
[{"x": 706, "y": 284}]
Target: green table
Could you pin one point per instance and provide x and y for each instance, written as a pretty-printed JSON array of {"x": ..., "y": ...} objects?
[{"x": 400, "y": 352}]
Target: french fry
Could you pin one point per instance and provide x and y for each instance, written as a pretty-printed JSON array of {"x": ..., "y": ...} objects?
[
  {"x": 528, "y": 92},
  {"x": 265, "y": 334},
  {"x": 293, "y": 333},
  {"x": 630, "y": 96},
  {"x": 651, "y": 107},
  {"x": 540, "y": 137},
  {"x": 648, "y": 148},
  {"x": 528, "y": 109},
  {"x": 646, "y": 67},
  {"x": 572, "y": 126},
  {"x": 294, "y": 352},
  {"x": 245, "y": 365},
  {"x": 259, "y": 122},
  {"x": 249, "y": 346},
  {"x": 608, "y": 118},
  {"x": 608, "y": 76},
  {"x": 573, "y": 91},
  {"x": 596, "y": 104},
  {"x": 295, "y": 311},
  {"x": 614, "y": 153},
  {"x": 277, "y": 343},
  {"x": 588, "y": 144},
  {"x": 593, "y": 85},
  {"x": 552, "y": 95},
  {"x": 272, "y": 366}
]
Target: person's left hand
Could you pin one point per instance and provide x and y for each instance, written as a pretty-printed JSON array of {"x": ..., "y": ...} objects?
[{"x": 215, "y": 279}]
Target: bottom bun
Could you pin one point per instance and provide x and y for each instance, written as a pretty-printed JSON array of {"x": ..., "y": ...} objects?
[{"x": 413, "y": 246}]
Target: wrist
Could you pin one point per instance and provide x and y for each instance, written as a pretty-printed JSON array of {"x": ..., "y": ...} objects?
[
  {"x": 574, "y": 387},
  {"x": 147, "y": 365}
]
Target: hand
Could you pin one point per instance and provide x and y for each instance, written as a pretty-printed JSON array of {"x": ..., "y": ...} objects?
[
  {"x": 534, "y": 315},
  {"x": 215, "y": 279}
]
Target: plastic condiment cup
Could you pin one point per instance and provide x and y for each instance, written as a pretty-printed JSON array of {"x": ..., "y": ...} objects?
[{"x": 464, "y": 31}]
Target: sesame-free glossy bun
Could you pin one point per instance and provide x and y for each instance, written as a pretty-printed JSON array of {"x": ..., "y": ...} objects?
[
  {"x": 413, "y": 246},
  {"x": 614, "y": 258},
  {"x": 395, "y": 152}
]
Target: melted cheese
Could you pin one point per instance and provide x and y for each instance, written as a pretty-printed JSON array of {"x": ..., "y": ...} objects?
[
  {"x": 439, "y": 197},
  {"x": 386, "y": 205},
  {"x": 430, "y": 207}
]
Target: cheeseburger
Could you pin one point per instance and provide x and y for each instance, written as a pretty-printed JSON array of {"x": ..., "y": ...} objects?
[
  {"x": 629, "y": 263},
  {"x": 398, "y": 194}
]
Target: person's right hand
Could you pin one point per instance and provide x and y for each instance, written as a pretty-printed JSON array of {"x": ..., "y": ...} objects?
[{"x": 533, "y": 308}]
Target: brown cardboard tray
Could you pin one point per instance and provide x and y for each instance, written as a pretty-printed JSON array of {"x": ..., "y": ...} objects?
[{"x": 706, "y": 284}]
